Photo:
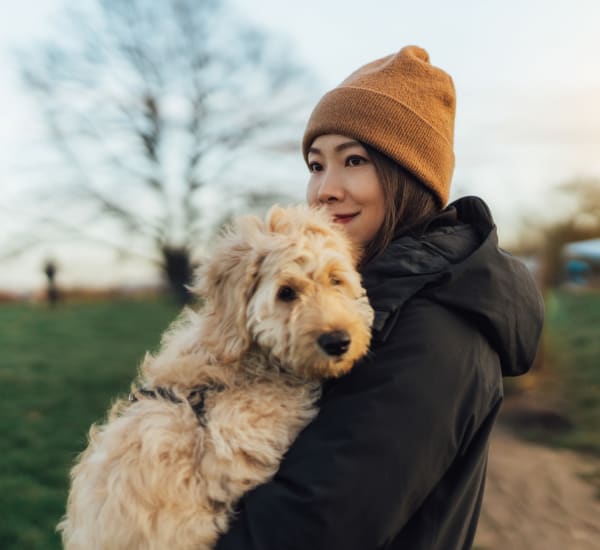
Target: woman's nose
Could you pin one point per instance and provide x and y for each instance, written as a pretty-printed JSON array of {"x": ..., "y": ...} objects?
[{"x": 330, "y": 189}]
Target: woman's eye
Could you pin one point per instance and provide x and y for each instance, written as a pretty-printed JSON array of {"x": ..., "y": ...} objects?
[
  {"x": 355, "y": 160},
  {"x": 286, "y": 294},
  {"x": 314, "y": 167}
]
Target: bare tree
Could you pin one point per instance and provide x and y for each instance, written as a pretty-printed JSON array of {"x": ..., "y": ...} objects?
[
  {"x": 581, "y": 222},
  {"x": 149, "y": 105}
]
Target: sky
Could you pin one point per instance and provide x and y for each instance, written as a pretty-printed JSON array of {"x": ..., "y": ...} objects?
[{"x": 527, "y": 76}]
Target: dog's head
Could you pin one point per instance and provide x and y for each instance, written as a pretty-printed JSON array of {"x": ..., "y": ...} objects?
[{"x": 288, "y": 286}]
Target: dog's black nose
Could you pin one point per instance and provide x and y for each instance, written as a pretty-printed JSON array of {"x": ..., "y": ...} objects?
[{"x": 334, "y": 343}]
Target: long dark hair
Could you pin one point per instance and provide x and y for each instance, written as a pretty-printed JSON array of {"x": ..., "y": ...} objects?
[{"x": 409, "y": 204}]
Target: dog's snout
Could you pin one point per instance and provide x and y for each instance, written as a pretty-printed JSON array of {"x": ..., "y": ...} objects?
[{"x": 335, "y": 343}]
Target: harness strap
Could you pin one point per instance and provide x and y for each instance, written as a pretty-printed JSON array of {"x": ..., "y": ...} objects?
[{"x": 196, "y": 398}]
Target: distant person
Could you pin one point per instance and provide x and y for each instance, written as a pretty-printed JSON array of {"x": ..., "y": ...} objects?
[
  {"x": 52, "y": 294},
  {"x": 396, "y": 458}
]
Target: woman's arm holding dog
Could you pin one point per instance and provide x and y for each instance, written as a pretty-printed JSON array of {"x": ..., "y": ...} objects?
[{"x": 387, "y": 433}]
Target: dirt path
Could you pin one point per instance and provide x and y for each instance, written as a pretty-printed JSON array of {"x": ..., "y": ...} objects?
[{"x": 536, "y": 500}]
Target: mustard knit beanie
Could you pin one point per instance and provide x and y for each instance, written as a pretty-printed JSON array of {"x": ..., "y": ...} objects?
[{"x": 402, "y": 106}]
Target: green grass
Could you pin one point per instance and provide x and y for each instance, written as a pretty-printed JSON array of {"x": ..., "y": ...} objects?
[
  {"x": 573, "y": 345},
  {"x": 60, "y": 369}
]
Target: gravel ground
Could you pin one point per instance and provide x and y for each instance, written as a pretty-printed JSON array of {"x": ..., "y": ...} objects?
[{"x": 536, "y": 499}]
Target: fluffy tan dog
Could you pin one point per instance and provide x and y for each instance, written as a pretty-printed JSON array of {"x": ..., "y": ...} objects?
[{"x": 230, "y": 389}]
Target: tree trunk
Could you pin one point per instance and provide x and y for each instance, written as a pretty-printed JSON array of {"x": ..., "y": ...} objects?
[{"x": 179, "y": 270}]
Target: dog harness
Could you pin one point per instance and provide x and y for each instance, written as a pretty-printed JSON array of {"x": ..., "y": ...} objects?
[{"x": 196, "y": 398}]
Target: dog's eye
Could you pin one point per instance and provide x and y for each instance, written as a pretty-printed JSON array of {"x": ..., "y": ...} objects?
[
  {"x": 287, "y": 294},
  {"x": 335, "y": 281}
]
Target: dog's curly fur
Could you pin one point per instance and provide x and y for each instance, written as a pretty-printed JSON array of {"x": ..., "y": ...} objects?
[{"x": 155, "y": 476}]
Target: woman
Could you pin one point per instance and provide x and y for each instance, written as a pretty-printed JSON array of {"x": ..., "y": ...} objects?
[{"x": 396, "y": 458}]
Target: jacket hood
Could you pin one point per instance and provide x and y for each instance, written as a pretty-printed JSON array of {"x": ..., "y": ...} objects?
[{"x": 457, "y": 263}]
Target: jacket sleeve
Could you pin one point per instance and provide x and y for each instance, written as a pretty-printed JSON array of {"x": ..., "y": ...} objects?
[{"x": 385, "y": 435}]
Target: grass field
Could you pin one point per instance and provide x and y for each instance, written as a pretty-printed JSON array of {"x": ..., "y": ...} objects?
[
  {"x": 59, "y": 371},
  {"x": 61, "y": 368},
  {"x": 573, "y": 357}
]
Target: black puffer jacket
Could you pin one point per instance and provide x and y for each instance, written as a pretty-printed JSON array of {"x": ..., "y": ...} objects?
[{"x": 396, "y": 458}]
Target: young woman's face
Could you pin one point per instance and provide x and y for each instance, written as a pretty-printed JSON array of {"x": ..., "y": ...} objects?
[{"x": 343, "y": 178}]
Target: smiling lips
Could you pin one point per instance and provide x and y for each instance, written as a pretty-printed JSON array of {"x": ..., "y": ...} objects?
[{"x": 344, "y": 218}]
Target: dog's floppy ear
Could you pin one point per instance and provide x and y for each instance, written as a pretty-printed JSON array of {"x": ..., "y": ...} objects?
[{"x": 227, "y": 281}]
